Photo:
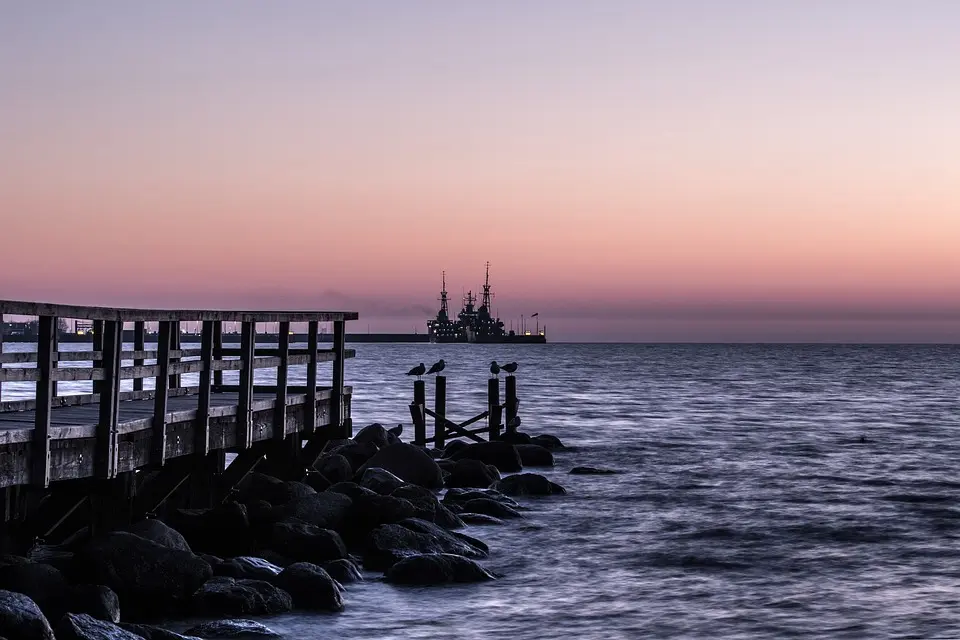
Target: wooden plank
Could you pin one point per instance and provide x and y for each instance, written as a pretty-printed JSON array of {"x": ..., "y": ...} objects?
[
  {"x": 420, "y": 402},
  {"x": 56, "y": 351},
  {"x": 2, "y": 354},
  {"x": 19, "y": 406},
  {"x": 139, "y": 344},
  {"x": 440, "y": 406},
  {"x": 26, "y": 308},
  {"x": 310, "y": 418},
  {"x": 46, "y": 342},
  {"x": 217, "y": 355},
  {"x": 175, "y": 331},
  {"x": 280, "y": 407},
  {"x": 97, "y": 346},
  {"x": 105, "y": 456},
  {"x": 244, "y": 417},
  {"x": 336, "y": 399},
  {"x": 493, "y": 407},
  {"x": 159, "y": 443},
  {"x": 202, "y": 444}
]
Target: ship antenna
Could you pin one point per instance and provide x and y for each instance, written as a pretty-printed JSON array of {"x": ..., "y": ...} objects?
[
  {"x": 443, "y": 296},
  {"x": 486, "y": 289}
]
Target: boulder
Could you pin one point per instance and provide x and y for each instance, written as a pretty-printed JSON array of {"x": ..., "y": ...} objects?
[
  {"x": 97, "y": 600},
  {"x": 224, "y": 596},
  {"x": 490, "y": 507},
  {"x": 472, "y": 473},
  {"x": 317, "y": 481},
  {"x": 150, "y": 632},
  {"x": 460, "y": 496},
  {"x": 533, "y": 455},
  {"x": 9, "y": 558},
  {"x": 21, "y": 618},
  {"x": 351, "y": 489},
  {"x": 409, "y": 463},
  {"x": 436, "y": 568},
  {"x": 223, "y": 530},
  {"x": 275, "y": 558},
  {"x": 356, "y": 453},
  {"x": 369, "y": 512},
  {"x": 246, "y": 629},
  {"x": 145, "y": 575},
  {"x": 502, "y": 455},
  {"x": 326, "y": 509},
  {"x": 427, "y": 506},
  {"x": 307, "y": 542},
  {"x": 548, "y": 441},
  {"x": 160, "y": 533},
  {"x": 527, "y": 484},
  {"x": 247, "y": 567},
  {"x": 591, "y": 471},
  {"x": 335, "y": 468},
  {"x": 259, "y": 486},
  {"x": 311, "y": 587},
  {"x": 44, "y": 584},
  {"x": 479, "y": 519},
  {"x": 390, "y": 543},
  {"x": 80, "y": 626},
  {"x": 376, "y": 434},
  {"x": 452, "y": 447},
  {"x": 343, "y": 571},
  {"x": 380, "y": 481},
  {"x": 517, "y": 437}
]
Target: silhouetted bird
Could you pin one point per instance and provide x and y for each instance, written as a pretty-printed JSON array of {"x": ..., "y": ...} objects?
[
  {"x": 438, "y": 367},
  {"x": 495, "y": 368},
  {"x": 514, "y": 422},
  {"x": 510, "y": 367},
  {"x": 418, "y": 370}
]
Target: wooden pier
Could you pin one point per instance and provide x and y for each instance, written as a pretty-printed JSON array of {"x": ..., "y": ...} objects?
[{"x": 120, "y": 453}]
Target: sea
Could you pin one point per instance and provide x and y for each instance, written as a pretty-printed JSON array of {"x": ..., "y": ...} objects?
[{"x": 794, "y": 491}]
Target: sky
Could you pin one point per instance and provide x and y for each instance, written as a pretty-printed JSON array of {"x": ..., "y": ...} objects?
[{"x": 693, "y": 170}]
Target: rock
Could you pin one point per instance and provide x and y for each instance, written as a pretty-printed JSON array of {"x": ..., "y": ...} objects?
[
  {"x": 42, "y": 583},
  {"x": 472, "y": 473},
  {"x": 517, "y": 437},
  {"x": 390, "y": 543},
  {"x": 351, "y": 489},
  {"x": 80, "y": 626},
  {"x": 308, "y": 542},
  {"x": 527, "y": 484},
  {"x": 409, "y": 463},
  {"x": 276, "y": 558},
  {"x": 224, "y": 596},
  {"x": 438, "y": 568},
  {"x": 479, "y": 518},
  {"x": 533, "y": 455},
  {"x": 380, "y": 481},
  {"x": 150, "y": 632},
  {"x": 160, "y": 533},
  {"x": 145, "y": 575},
  {"x": 490, "y": 507},
  {"x": 311, "y": 587},
  {"x": 427, "y": 506},
  {"x": 317, "y": 481},
  {"x": 548, "y": 442},
  {"x": 223, "y": 530},
  {"x": 376, "y": 434},
  {"x": 460, "y": 496},
  {"x": 502, "y": 455},
  {"x": 97, "y": 600},
  {"x": 452, "y": 447},
  {"x": 247, "y": 567},
  {"x": 369, "y": 512},
  {"x": 326, "y": 509},
  {"x": 343, "y": 571},
  {"x": 232, "y": 629},
  {"x": 9, "y": 559},
  {"x": 211, "y": 559},
  {"x": 591, "y": 471},
  {"x": 21, "y": 618},
  {"x": 356, "y": 453},
  {"x": 259, "y": 486},
  {"x": 334, "y": 468},
  {"x": 446, "y": 466}
]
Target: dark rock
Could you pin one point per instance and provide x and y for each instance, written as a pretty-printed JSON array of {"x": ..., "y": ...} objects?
[
  {"x": 436, "y": 568},
  {"x": 9, "y": 559},
  {"x": 591, "y": 471},
  {"x": 150, "y": 632},
  {"x": 376, "y": 434},
  {"x": 44, "y": 584},
  {"x": 80, "y": 626},
  {"x": 389, "y": 543},
  {"x": 334, "y": 468},
  {"x": 351, "y": 489},
  {"x": 231, "y": 629},
  {"x": 276, "y": 558},
  {"x": 308, "y": 542},
  {"x": 447, "y": 466},
  {"x": 548, "y": 441},
  {"x": 502, "y": 455},
  {"x": 55, "y": 555},
  {"x": 224, "y": 596},
  {"x": 211, "y": 559},
  {"x": 160, "y": 533},
  {"x": 259, "y": 486},
  {"x": 247, "y": 567},
  {"x": 369, "y": 512},
  {"x": 517, "y": 437},
  {"x": 452, "y": 447},
  {"x": 317, "y": 481},
  {"x": 96, "y": 600},
  {"x": 380, "y": 481},
  {"x": 533, "y": 455},
  {"x": 472, "y": 473},
  {"x": 223, "y": 530},
  {"x": 21, "y": 618},
  {"x": 343, "y": 571},
  {"x": 311, "y": 587},
  {"x": 409, "y": 463},
  {"x": 460, "y": 496},
  {"x": 490, "y": 507},
  {"x": 326, "y": 509},
  {"x": 427, "y": 506},
  {"x": 527, "y": 484},
  {"x": 145, "y": 575},
  {"x": 436, "y": 454},
  {"x": 356, "y": 453},
  {"x": 479, "y": 518}
]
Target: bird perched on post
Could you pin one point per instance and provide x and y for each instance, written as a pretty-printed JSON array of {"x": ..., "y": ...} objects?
[
  {"x": 495, "y": 368},
  {"x": 510, "y": 367},
  {"x": 418, "y": 370},
  {"x": 438, "y": 367}
]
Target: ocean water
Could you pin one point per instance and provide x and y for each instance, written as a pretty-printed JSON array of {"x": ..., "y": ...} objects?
[{"x": 765, "y": 492}]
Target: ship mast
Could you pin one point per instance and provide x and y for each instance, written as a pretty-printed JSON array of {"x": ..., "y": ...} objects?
[
  {"x": 486, "y": 290},
  {"x": 443, "y": 297}
]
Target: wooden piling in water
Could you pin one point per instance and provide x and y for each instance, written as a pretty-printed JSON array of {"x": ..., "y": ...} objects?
[
  {"x": 440, "y": 409},
  {"x": 418, "y": 415},
  {"x": 494, "y": 407},
  {"x": 511, "y": 404}
]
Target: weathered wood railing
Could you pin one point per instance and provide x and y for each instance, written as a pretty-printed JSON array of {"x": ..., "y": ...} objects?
[
  {"x": 444, "y": 428},
  {"x": 173, "y": 360}
]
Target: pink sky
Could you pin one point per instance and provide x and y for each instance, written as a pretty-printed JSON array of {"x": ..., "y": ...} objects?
[{"x": 632, "y": 170}]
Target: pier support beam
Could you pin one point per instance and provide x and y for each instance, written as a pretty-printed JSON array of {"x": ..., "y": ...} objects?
[
  {"x": 511, "y": 404},
  {"x": 494, "y": 408},
  {"x": 440, "y": 409},
  {"x": 418, "y": 414}
]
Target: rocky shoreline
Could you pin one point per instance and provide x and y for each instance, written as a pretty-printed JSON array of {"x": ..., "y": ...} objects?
[{"x": 371, "y": 502}]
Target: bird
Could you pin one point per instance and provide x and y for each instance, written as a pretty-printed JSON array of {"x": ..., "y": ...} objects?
[
  {"x": 514, "y": 423},
  {"x": 495, "y": 368},
  {"x": 418, "y": 370},
  {"x": 438, "y": 367},
  {"x": 510, "y": 367}
]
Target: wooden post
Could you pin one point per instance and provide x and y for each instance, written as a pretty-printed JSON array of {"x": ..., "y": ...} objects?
[
  {"x": 164, "y": 340},
  {"x": 420, "y": 424},
  {"x": 1, "y": 353},
  {"x": 105, "y": 457},
  {"x": 139, "y": 344},
  {"x": 493, "y": 407},
  {"x": 440, "y": 408},
  {"x": 175, "y": 346},
  {"x": 97, "y": 346},
  {"x": 202, "y": 444},
  {"x": 511, "y": 403},
  {"x": 310, "y": 417},
  {"x": 336, "y": 393},
  {"x": 41, "y": 428},
  {"x": 280, "y": 406},
  {"x": 217, "y": 354},
  {"x": 56, "y": 351},
  {"x": 245, "y": 404}
]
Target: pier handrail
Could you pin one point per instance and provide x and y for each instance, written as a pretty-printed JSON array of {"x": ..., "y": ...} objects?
[{"x": 24, "y": 308}]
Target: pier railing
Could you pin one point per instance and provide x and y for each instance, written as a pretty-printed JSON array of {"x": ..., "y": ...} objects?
[{"x": 172, "y": 360}]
